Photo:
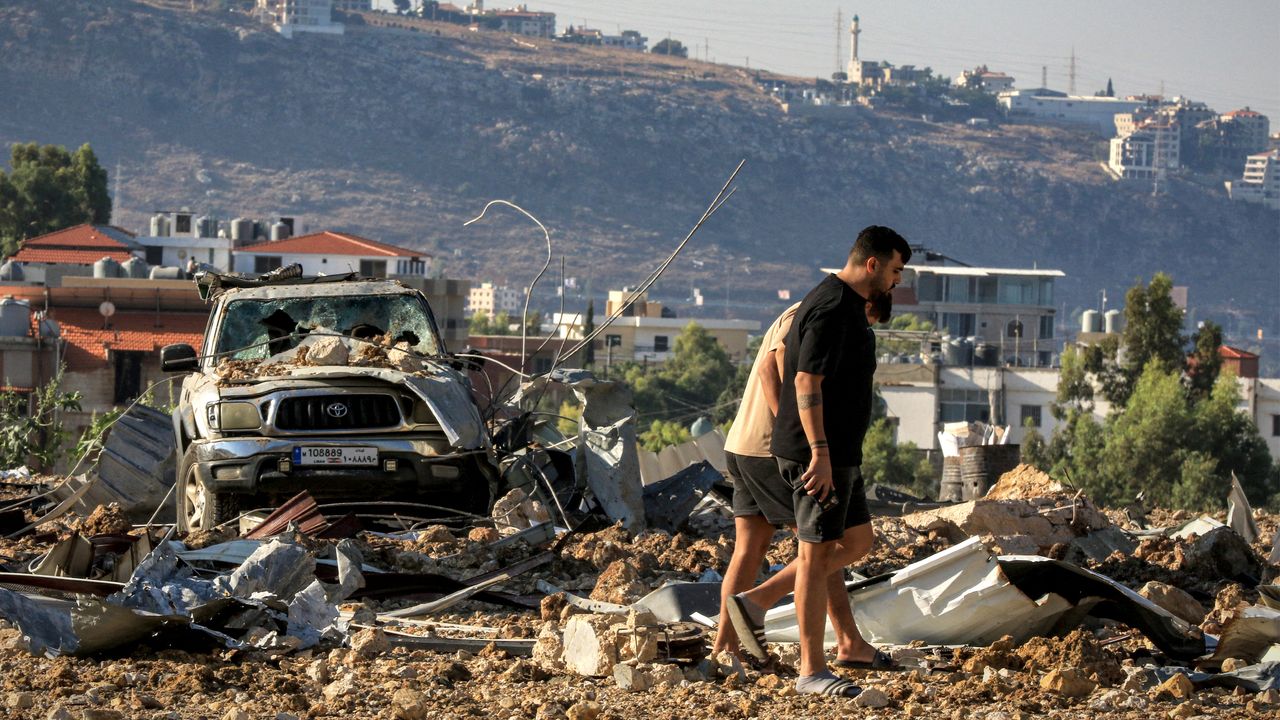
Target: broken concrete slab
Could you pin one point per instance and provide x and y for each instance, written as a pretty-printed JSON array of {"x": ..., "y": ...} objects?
[
  {"x": 1221, "y": 552},
  {"x": 1175, "y": 600},
  {"x": 668, "y": 503}
]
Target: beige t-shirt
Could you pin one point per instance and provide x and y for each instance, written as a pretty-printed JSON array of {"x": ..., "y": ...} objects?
[{"x": 753, "y": 426}]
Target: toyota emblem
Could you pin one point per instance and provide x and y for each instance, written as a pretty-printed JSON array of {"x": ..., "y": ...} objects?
[{"x": 336, "y": 410}]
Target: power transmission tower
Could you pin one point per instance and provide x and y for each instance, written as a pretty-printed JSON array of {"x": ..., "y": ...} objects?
[
  {"x": 1071, "y": 76},
  {"x": 839, "y": 35}
]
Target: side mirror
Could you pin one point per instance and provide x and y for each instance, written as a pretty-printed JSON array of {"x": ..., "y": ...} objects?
[{"x": 179, "y": 357}]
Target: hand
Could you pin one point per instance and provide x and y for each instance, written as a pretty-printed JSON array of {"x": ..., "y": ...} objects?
[{"x": 817, "y": 479}]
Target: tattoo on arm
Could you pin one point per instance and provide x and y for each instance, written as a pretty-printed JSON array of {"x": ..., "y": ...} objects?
[{"x": 805, "y": 402}]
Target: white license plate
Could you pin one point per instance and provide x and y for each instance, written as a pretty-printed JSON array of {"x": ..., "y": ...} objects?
[{"x": 318, "y": 455}]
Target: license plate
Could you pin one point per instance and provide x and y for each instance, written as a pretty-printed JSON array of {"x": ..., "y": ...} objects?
[{"x": 318, "y": 455}]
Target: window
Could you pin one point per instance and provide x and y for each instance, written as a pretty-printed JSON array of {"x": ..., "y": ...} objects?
[
  {"x": 957, "y": 289},
  {"x": 541, "y": 365},
  {"x": 373, "y": 268},
  {"x": 963, "y": 406},
  {"x": 181, "y": 224},
  {"x": 266, "y": 263},
  {"x": 128, "y": 375},
  {"x": 958, "y": 324},
  {"x": 1275, "y": 426},
  {"x": 987, "y": 288},
  {"x": 928, "y": 287},
  {"x": 1046, "y": 327},
  {"x": 613, "y": 341},
  {"x": 1032, "y": 413},
  {"x": 1013, "y": 329},
  {"x": 155, "y": 255},
  {"x": 660, "y": 343}
]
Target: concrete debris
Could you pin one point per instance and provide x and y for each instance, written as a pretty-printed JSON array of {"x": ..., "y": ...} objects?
[
  {"x": 1175, "y": 600},
  {"x": 1239, "y": 513}
]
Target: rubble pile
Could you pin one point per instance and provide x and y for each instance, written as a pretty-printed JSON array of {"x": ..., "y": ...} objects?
[{"x": 516, "y": 615}]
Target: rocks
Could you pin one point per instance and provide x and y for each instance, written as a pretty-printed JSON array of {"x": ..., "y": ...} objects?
[
  {"x": 483, "y": 535},
  {"x": 235, "y": 714},
  {"x": 1221, "y": 552},
  {"x": 1068, "y": 682},
  {"x": 619, "y": 583},
  {"x": 871, "y": 698},
  {"x": 59, "y": 712},
  {"x": 370, "y": 642},
  {"x": 342, "y": 687},
  {"x": 407, "y": 704},
  {"x": 1232, "y": 664},
  {"x": 585, "y": 710},
  {"x": 326, "y": 350},
  {"x": 1178, "y": 687},
  {"x": 1175, "y": 600},
  {"x": 630, "y": 678},
  {"x": 594, "y": 643},
  {"x": 20, "y": 700}
]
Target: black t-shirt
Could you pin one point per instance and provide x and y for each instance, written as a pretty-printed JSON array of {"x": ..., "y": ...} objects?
[{"x": 829, "y": 337}]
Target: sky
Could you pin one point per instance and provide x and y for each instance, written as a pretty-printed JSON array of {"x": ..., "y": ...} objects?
[{"x": 1221, "y": 52}]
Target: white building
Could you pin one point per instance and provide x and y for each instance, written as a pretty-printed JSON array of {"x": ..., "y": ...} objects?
[
  {"x": 176, "y": 238},
  {"x": 333, "y": 253},
  {"x": 980, "y": 78},
  {"x": 628, "y": 40},
  {"x": 489, "y": 300},
  {"x": 521, "y": 21},
  {"x": 1261, "y": 181},
  {"x": 295, "y": 16},
  {"x": 1097, "y": 113},
  {"x": 1153, "y": 147},
  {"x": 1006, "y": 315},
  {"x": 1262, "y": 402}
]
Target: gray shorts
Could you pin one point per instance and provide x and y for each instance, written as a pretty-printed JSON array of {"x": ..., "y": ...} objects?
[
  {"x": 812, "y": 523},
  {"x": 756, "y": 485}
]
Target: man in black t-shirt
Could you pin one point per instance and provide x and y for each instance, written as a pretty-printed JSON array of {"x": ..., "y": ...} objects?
[{"x": 823, "y": 414}]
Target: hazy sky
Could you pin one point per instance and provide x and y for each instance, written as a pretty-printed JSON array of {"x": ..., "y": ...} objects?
[{"x": 1223, "y": 52}]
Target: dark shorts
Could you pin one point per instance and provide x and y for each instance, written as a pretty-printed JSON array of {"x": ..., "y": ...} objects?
[
  {"x": 812, "y": 523},
  {"x": 758, "y": 489}
]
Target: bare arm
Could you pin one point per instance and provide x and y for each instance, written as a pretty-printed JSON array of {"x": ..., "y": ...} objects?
[
  {"x": 809, "y": 403},
  {"x": 770, "y": 375}
]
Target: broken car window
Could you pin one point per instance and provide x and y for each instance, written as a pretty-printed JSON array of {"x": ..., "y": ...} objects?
[{"x": 258, "y": 329}]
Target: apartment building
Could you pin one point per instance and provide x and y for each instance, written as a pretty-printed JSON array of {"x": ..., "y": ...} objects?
[{"x": 1260, "y": 183}]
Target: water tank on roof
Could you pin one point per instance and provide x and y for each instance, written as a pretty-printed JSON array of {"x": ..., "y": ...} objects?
[
  {"x": 10, "y": 270},
  {"x": 49, "y": 328},
  {"x": 279, "y": 231},
  {"x": 986, "y": 355},
  {"x": 15, "y": 318},
  {"x": 1113, "y": 321},
  {"x": 701, "y": 427},
  {"x": 241, "y": 231},
  {"x": 134, "y": 267},
  {"x": 957, "y": 352},
  {"x": 1090, "y": 322},
  {"x": 159, "y": 226},
  {"x": 206, "y": 227},
  {"x": 160, "y": 272},
  {"x": 106, "y": 268}
]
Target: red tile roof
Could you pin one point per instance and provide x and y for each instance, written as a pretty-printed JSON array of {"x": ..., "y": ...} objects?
[
  {"x": 1227, "y": 351},
  {"x": 79, "y": 245},
  {"x": 330, "y": 243},
  {"x": 88, "y": 341},
  {"x": 1242, "y": 113}
]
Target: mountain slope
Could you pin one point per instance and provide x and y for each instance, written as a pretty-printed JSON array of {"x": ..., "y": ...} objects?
[{"x": 404, "y": 134}]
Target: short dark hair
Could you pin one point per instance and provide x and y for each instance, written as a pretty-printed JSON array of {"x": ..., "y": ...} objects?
[
  {"x": 882, "y": 306},
  {"x": 879, "y": 241}
]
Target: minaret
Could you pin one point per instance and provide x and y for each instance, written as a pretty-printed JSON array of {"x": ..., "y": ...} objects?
[{"x": 855, "y": 71}]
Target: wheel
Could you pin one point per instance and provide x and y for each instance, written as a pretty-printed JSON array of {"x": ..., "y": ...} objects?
[{"x": 199, "y": 508}]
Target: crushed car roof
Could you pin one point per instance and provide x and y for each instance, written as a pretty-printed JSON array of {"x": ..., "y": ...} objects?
[{"x": 356, "y": 287}]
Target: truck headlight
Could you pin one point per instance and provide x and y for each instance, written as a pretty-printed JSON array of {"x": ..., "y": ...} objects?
[{"x": 233, "y": 416}]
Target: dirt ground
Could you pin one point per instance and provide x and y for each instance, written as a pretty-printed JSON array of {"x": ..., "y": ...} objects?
[{"x": 1093, "y": 671}]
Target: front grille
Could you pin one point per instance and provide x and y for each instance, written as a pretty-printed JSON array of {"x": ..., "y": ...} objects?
[{"x": 320, "y": 412}]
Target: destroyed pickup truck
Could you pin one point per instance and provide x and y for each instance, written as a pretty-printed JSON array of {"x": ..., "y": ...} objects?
[{"x": 338, "y": 386}]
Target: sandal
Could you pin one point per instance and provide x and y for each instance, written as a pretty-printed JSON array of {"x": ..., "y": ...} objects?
[
  {"x": 879, "y": 661},
  {"x": 826, "y": 683},
  {"x": 750, "y": 632}
]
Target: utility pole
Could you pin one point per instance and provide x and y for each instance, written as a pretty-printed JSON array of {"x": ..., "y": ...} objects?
[
  {"x": 1071, "y": 76},
  {"x": 1044, "y": 76}
]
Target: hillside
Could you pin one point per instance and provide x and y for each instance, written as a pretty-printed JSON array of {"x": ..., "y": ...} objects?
[{"x": 403, "y": 134}]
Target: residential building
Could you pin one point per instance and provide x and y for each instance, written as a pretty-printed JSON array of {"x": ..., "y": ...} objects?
[
  {"x": 1225, "y": 140},
  {"x": 1154, "y": 147},
  {"x": 980, "y": 78},
  {"x": 46, "y": 259},
  {"x": 628, "y": 40},
  {"x": 1261, "y": 181},
  {"x": 353, "y": 5},
  {"x": 873, "y": 73},
  {"x": 521, "y": 21},
  {"x": 1050, "y": 106},
  {"x": 177, "y": 238},
  {"x": 1002, "y": 316},
  {"x": 489, "y": 299},
  {"x": 333, "y": 253},
  {"x": 582, "y": 35},
  {"x": 295, "y": 16},
  {"x": 647, "y": 330}
]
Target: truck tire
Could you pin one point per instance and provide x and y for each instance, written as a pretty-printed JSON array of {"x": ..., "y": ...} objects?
[{"x": 199, "y": 508}]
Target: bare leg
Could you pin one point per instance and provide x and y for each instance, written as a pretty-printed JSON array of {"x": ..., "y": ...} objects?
[
  {"x": 811, "y": 600},
  {"x": 752, "y": 535}
]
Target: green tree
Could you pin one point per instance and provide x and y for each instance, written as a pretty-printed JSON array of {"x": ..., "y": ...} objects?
[
  {"x": 31, "y": 430},
  {"x": 887, "y": 462},
  {"x": 667, "y": 46},
  {"x": 1205, "y": 362},
  {"x": 1034, "y": 450},
  {"x": 689, "y": 384},
  {"x": 48, "y": 189},
  {"x": 662, "y": 433},
  {"x": 1075, "y": 391},
  {"x": 1152, "y": 333},
  {"x": 1146, "y": 444}
]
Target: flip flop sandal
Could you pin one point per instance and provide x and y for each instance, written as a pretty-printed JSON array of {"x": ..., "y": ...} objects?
[
  {"x": 750, "y": 633},
  {"x": 832, "y": 685},
  {"x": 879, "y": 661}
]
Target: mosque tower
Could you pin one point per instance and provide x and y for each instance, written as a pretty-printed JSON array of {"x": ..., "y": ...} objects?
[{"x": 855, "y": 66}]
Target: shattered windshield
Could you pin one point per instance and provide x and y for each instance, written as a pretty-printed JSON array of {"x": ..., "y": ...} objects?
[{"x": 258, "y": 329}]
